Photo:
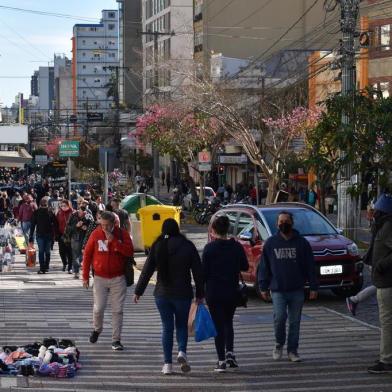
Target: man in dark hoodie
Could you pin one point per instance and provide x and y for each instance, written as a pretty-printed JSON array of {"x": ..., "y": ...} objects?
[
  {"x": 287, "y": 264},
  {"x": 45, "y": 221},
  {"x": 381, "y": 257}
]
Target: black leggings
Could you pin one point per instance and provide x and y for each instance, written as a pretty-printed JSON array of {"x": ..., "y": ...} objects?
[
  {"x": 222, "y": 314},
  {"x": 65, "y": 253}
]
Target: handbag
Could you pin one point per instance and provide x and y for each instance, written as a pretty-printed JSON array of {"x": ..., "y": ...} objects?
[
  {"x": 129, "y": 271},
  {"x": 204, "y": 326},
  {"x": 191, "y": 319},
  {"x": 242, "y": 294}
]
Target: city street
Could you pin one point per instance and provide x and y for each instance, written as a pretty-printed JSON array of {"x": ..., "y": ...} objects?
[{"x": 336, "y": 349}]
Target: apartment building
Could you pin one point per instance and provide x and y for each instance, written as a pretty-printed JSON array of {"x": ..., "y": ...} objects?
[
  {"x": 62, "y": 86},
  {"x": 95, "y": 58},
  {"x": 130, "y": 54},
  {"x": 167, "y": 46}
]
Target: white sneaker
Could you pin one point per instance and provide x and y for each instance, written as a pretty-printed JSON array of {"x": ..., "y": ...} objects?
[
  {"x": 277, "y": 353},
  {"x": 167, "y": 369},
  {"x": 294, "y": 357},
  {"x": 182, "y": 360}
]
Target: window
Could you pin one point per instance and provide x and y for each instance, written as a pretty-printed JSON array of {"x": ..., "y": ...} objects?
[
  {"x": 111, "y": 26},
  {"x": 385, "y": 37},
  {"x": 84, "y": 67},
  {"x": 112, "y": 15},
  {"x": 97, "y": 55},
  {"x": 84, "y": 42},
  {"x": 83, "y": 54},
  {"x": 97, "y": 80},
  {"x": 383, "y": 88}
]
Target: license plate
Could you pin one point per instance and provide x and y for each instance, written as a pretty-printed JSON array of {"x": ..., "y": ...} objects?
[{"x": 331, "y": 270}]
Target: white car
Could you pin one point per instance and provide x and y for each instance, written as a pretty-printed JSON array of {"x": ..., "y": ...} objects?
[{"x": 209, "y": 194}]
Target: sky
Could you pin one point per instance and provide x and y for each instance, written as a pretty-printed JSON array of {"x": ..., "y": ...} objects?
[{"x": 30, "y": 40}]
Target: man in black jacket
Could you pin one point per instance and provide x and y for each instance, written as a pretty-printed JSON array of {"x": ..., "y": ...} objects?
[
  {"x": 382, "y": 279},
  {"x": 45, "y": 222}
]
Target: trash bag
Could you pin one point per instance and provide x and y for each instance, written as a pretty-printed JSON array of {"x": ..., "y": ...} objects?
[{"x": 204, "y": 326}]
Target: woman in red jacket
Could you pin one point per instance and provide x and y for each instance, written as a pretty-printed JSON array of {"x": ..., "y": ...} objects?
[{"x": 65, "y": 250}]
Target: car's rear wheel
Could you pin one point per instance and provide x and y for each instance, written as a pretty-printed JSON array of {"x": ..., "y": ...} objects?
[{"x": 345, "y": 292}]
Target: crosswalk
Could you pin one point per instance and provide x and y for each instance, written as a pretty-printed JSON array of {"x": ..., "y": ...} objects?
[{"x": 336, "y": 350}]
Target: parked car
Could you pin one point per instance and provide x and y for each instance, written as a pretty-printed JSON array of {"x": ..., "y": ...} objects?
[
  {"x": 339, "y": 265},
  {"x": 187, "y": 200}
]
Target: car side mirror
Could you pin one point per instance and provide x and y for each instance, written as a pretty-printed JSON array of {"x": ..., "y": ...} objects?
[
  {"x": 340, "y": 231},
  {"x": 246, "y": 236}
]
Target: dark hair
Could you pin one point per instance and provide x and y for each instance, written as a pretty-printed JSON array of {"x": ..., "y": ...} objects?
[
  {"x": 116, "y": 200},
  {"x": 221, "y": 225},
  {"x": 286, "y": 213},
  {"x": 170, "y": 229},
  {"x": 109, "y": 207},
  {"x": 109, "y": 216}
]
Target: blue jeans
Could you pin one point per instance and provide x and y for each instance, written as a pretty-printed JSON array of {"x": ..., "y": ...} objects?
[
  {"x": 26, "y": 230},
  {"x": 77, "y": 253},
  {"x": 44, "y": 245},
  {"x": 289, "y": 304},
  {"x": 172, "y": 309}
]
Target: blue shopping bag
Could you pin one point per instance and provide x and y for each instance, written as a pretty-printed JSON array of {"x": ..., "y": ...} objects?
[{"x": 204, "y": 326}]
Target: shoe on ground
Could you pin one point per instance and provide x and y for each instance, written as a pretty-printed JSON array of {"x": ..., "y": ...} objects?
[
  {"x": 64, "y": 268},
  {"x": 70, "y": 272},
  {"x": 76, "y": 276},
  {"x": 40, "y": 272},
  {"x": 351, "y": 306},
  {"x": 94, "y": 337},
  {"x": 277, "y": 353},
  {"x": 294, "y": 357},
  {"x": 231, "y": 362},
  {"x": 380, "y": 368},
  {"x": 117, "y": 346},
  {"x": 183, "y": 361},
  {"x": 220, "y": 367},
  {"x": 167, "y": 369}
]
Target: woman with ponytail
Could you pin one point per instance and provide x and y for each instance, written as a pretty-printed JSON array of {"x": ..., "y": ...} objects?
[{"x": 175, "y": 259}]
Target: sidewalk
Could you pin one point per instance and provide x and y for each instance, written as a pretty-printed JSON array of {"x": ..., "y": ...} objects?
[{"x": 336, "y": 349}]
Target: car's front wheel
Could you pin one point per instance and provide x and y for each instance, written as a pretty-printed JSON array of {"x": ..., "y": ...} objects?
[{"x": 345, "y": 292}]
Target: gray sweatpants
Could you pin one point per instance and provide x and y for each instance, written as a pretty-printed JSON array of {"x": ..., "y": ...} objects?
[
  {"x": 364, "y": 294},
  {"x": 117, "y": 289},
  {"x": 384, "y": 298}
]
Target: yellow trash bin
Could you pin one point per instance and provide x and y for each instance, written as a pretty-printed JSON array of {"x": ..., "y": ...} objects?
[{"x": 152, "y": 218}]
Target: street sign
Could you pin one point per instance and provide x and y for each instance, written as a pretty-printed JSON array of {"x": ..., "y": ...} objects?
[
  {"x": 69, "y": 149},
  {"x": 94, "y": 116},
  {"x": 41, "y": 159},
  {"x": 204, "y": 157},
  {"x": 204, "y": 167}
]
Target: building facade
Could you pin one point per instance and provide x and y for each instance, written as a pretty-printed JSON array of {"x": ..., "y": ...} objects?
[
  {"x": 130, "y": 54},
  {"x": 62, "y": 87},
  {"x": 167, "y": 46},
  {"x": 94, "y": 63}
]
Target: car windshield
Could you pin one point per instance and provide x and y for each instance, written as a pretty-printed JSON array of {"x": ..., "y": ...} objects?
[
  {"x": 306, "y": 222},
  {"x": 207, "y": 192}
]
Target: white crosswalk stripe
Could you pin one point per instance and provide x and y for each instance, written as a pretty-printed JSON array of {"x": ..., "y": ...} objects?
[{"x": 336, "y": 350}]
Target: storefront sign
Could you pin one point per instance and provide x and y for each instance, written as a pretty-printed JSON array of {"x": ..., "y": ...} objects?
[
  {"x": 69, "y": 148},
  {"x": 233, "y": 159}
]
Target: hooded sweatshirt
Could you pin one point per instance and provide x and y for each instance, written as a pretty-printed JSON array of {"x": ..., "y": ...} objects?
[
  {"x": 183, "y": 259},
  {"x": 287, "y": 265},
  {"x": 222, "y": 262}
]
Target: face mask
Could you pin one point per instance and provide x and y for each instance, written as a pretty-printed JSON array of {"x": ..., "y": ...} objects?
[
  {"x": 83, "y": 208},
  {"x": 285, "y": 228}
]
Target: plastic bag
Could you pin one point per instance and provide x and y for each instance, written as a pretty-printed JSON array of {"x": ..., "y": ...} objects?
[
  {"x": 191, "y": 319},
  {"x": 204, "y": 326},
  {"x": 31, "y": 257}
]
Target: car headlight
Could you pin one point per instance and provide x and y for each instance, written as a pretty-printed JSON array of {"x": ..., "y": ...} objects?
[{"x": 353, "y": 249}]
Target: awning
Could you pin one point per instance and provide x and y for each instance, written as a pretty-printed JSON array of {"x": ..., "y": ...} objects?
[{"x": 15, "y": 158}]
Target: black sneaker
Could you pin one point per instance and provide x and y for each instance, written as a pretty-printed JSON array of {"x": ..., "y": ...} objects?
[
  {"x": 64, "y": 267},
  {"x": 94, "y": 337},
  {"x": 231, "y": 361},
  {"x": 117, "y": 346},
  {"x": 380, "y": 368},
  {"x": 220, "y": 367}
]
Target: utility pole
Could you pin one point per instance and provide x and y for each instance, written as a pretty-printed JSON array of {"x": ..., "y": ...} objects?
[
  {"x": 155, "y": 152},
  {"x": 347, "y": 211}
]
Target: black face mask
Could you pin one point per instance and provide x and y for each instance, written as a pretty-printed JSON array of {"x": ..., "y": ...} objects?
[
  {"x": 83, "y": 208},
  {"x": 285, "y": 228}
]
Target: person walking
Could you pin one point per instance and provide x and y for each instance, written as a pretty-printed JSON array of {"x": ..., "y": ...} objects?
[
  {"x": 106, "y": 252},
  {"x": 223, "y": 260},
  {"x": 286, "y": 265},
  {"x": 26, "y": 211},
  {"x": 76, "y": 230},
  {"x": 125, "y": 223},
  {"x": 175, "y": 258},
  {"x": 382, "y": 279},
  {"x": 168, "y": 181},
  {"x": 44, "y": 222},
  {"x": 163, "y": 176},
  {"x": 65, "y": 250}
]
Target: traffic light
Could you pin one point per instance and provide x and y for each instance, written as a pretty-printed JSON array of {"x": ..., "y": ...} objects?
[{"x": 221, "y": 170}]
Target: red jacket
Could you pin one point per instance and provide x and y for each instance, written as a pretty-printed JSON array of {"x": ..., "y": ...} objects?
[
  {"x": 107, "y": 259},
  {"x": 62, "y": 219}
]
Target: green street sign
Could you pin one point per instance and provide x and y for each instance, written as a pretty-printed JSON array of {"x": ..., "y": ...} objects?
[{"x": 69, "y": 149}]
